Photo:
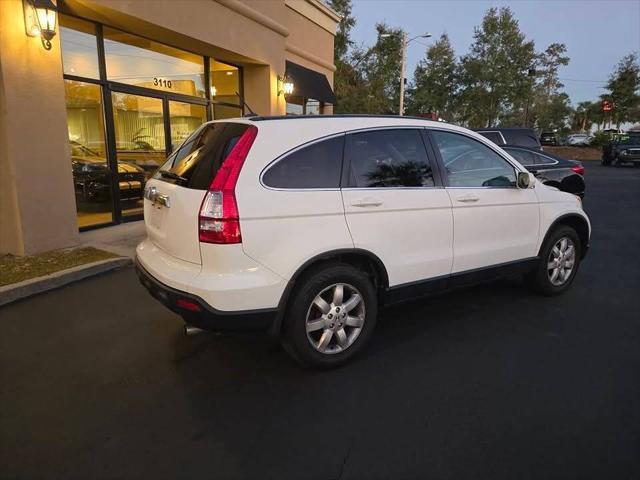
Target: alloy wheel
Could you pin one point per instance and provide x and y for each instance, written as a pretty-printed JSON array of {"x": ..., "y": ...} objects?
[
  {"x": 561, "y": 261},
  {"x": 335, "y": 318}
]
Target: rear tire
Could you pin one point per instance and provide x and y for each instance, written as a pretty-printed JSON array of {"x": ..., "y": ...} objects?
[
  {"x": 331, "y": 316},
  {"x": 559, "y": 261}
]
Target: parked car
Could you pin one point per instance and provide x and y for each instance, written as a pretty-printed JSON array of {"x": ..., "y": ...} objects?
[
  {"x": 579, "y": 140},
  {"x": 305, "y": 226},
  {"x": 622, "y": 148},
  {"x": 92, "y": 176},
  {"x": 552, "y": 170},
  {"x": 548, "y": 139},
  {"x": 525, "y": 137}
]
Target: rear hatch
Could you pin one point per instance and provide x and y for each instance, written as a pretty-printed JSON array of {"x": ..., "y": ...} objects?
[{"x": 174, "y": 195}]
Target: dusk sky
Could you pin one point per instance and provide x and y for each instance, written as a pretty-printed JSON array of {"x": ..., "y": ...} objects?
[{"x": 597, "y": 33}]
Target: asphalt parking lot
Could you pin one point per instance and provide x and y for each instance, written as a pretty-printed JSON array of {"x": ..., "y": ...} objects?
[{"x": 97, "y": 381}]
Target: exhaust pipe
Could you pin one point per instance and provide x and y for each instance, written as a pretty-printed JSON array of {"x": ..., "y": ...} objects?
[{"x": 190, "y": 330}]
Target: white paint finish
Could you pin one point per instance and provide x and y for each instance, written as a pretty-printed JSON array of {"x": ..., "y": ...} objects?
[
  {"x": 166, "y": 268},
  {"x": 502, "y": 225},
  {"x": 409, "y": 229},
  {"x": 230, "y": 280},
  {"x": 282, "y": 229},
  {"x": 174, "y": 229}
]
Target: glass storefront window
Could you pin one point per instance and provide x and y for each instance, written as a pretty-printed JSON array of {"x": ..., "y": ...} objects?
[
  {"x": 144, "y": 63},
  {"x": 184, "y": 118},
  {"x": 91, "y": 174},
  {"x": 312, "y": 107},
  {"x": 79, "y": 47},
  {"x": 226, "y": 111},
  {"x": 140, "y": 145},
  {"x": 225, "y": 82},
  {"x": 295, "y": 105}
]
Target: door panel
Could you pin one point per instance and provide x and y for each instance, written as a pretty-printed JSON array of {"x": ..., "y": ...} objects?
[
  {"x": 498, "y": 225},
  {"x": 394, "y": 208},
  {"x": 494, "y": 221}
]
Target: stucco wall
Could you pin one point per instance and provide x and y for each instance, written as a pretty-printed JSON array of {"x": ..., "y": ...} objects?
[{"x": 37, "y": 210}]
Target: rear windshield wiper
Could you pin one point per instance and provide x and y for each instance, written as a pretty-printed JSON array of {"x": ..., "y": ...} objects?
[{"x": 174, "y": 176}]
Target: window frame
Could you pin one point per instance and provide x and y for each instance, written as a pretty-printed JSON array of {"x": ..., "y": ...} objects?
[
  {"x": 291, "y": 151},
  {"x": 108, "y": 87},
  {"x": 433, "y": 162},
  {"x": 482, "y": 140}
]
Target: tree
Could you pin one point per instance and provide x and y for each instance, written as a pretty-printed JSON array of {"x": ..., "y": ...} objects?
[
  {"x": 434, "y": 81},
  {"x": 345, "y": 78},
  {"x": 494, "y": 74},
  {"x": 624, "y": 89}
]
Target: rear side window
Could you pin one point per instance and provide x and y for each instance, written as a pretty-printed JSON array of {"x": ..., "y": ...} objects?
[
  {"x": 495, "y": 137},
  {"x": 388, "y": 158},
  {"x": 197, "y": 161},
  {"x": 524, "y": 157},
  {"x": 318, "y": 165}
]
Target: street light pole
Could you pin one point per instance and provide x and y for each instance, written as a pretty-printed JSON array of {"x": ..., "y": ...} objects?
[
  {"x": 403, "y": 67},
  {"x": 403, "y": 61}
]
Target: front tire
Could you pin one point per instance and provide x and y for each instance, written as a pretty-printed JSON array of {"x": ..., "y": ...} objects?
[
  {"x": 559, "y": 261},
  {"x": 331, "y": 316}
]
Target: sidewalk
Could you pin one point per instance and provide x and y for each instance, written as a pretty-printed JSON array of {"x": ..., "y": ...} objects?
[{"x": 120, "y": 239}]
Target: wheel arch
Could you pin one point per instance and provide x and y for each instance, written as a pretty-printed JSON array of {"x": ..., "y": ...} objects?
[
  {"x": 578, "y": 223},
  {"x": 357, "y": 257}
]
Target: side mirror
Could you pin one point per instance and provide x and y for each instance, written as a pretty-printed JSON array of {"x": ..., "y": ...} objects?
[{"x": 524, "y": 180}]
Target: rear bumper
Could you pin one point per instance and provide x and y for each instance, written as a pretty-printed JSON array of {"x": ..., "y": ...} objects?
[{"x": 200, "y": 313}]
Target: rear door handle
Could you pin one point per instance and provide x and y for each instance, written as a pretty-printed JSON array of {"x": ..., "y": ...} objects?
[
  {"x": 366, "y": 202},
  {"x": 468, "y": 198}
]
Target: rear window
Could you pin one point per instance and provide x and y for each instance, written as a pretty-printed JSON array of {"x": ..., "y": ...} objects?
[
  {"x": 495, "y": 137},
  {"x": 196, "y": 162}
]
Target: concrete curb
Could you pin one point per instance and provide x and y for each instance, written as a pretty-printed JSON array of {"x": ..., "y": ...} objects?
[{"x": 34, "y": 286}]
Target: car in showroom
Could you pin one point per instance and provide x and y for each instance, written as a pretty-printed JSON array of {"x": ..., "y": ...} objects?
[
  {"x": 525, "y": 137},
  {"x": 304, "y": 227},
  {"x": 92, "y": 176},
  {"x": 622, "y": 148},
  {"x": 550, "y": 169}
]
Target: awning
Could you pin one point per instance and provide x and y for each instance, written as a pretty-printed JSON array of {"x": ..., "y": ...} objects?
[{"x": 309, "y": 83}]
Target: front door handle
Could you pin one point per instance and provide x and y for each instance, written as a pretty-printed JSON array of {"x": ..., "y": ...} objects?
[
  {"x": 366, "y": 202},
  {"x": 468, "y": 198}
]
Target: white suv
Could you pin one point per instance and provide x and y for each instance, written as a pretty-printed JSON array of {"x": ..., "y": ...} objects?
[{"x": 304, "y": 226}]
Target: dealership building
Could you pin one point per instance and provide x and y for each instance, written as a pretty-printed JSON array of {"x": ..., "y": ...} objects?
[{"x": 95, "y": 94}]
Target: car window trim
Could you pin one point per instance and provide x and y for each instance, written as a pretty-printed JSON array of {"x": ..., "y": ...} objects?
[
  {"x": 433, "y": 163},
  {"x": 293, "y": 150},
  {"x": 485, "y": 141}
]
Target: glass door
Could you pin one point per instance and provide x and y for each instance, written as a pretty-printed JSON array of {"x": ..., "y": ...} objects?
[
  {"x": 139, "y": 127},
  {"x": 184, "y": 118}
]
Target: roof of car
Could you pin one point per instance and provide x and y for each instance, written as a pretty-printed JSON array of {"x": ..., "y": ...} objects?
[{"x": 262, "y": 118}]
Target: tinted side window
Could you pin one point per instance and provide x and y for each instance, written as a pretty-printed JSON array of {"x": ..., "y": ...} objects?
[
  {"x": 495, "y": 137},
  {"x": 469, "y": 163},
  {"x": 388, "y": 158},
  {"x": 318, "y": 165},
  {"x": 200, "y": 156},
  {"x": 522, "y": 138},
  {"x": 541, "y": 159}
]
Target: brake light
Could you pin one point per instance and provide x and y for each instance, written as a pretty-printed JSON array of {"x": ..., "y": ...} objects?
[
  {"x": 219, "y": 220},
  {"x": 578, "y": 169}
]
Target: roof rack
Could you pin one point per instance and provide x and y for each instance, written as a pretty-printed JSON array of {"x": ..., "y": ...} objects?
[{"x": 342, "y": 115}]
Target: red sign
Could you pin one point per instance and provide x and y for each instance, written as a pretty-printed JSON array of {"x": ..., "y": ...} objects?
[{"x": 607, "y": 106}]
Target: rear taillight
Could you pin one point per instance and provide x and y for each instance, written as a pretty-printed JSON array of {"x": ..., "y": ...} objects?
[
  {"x": 219, "y": 221},
  {"x": 578, "y": 169}
]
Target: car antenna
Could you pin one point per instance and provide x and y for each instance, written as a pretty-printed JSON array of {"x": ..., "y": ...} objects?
[{"x": 245, "y": 104}]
